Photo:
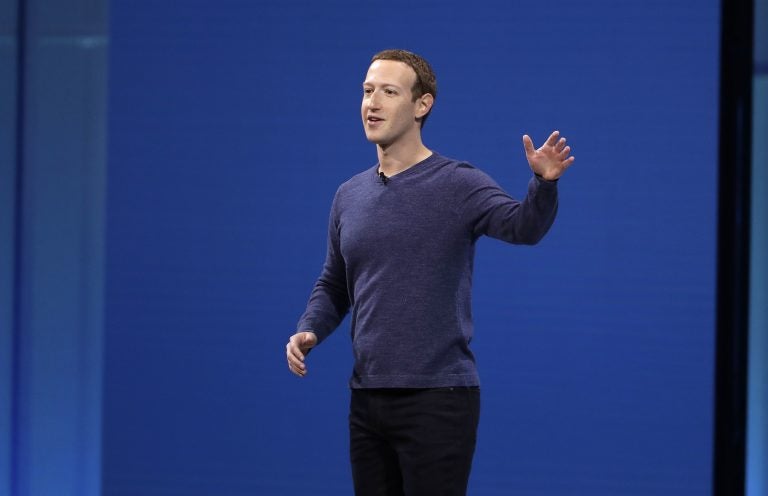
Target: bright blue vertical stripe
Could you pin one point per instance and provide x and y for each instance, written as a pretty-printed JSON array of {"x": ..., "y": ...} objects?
[
  {"x": 757, "y": 401},
  {"x": 757, "y": 417},
  {"x": 55, "y": 403}
]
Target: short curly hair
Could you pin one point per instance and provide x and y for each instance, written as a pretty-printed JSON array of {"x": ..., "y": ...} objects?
[{"x": 426, "y": 82}]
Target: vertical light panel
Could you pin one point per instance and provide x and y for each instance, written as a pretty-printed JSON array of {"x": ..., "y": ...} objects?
[
  {"x": 757, "y": 401},
  {"x": 56, "y": 420},
  {"x": 757, "y": 417}
]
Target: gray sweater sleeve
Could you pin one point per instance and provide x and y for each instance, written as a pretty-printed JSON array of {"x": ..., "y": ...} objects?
[
  {"x": 329, "y": 300},
  {"x": 489, "y": 210}
]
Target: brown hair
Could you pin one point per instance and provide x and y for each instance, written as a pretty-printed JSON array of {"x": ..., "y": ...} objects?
[{"x": 426, "y": 82}]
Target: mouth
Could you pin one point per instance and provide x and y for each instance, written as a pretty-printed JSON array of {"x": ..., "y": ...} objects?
[{"x": 372, "y": 120}]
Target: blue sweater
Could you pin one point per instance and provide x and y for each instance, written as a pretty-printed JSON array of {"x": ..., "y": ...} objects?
[{"x": 400, "y": 255}]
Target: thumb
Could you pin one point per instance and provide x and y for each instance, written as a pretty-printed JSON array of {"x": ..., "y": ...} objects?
[
  {"x": 528, "y": 144},
  {"x": 308, "y": 340}
]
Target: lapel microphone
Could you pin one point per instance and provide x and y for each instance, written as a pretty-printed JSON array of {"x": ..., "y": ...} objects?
[{"x": 384, "y": 179}]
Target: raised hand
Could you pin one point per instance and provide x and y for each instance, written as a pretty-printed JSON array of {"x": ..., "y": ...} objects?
[
  {"x": 551, "y": 159},
  {"x": 296, "y": 350}
]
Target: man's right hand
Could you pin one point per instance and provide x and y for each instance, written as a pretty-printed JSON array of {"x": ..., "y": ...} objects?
[{"x": 297, "y": 349}]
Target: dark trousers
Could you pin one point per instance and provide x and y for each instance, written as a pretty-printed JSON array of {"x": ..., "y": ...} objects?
[{"x": 413, "y": 442}]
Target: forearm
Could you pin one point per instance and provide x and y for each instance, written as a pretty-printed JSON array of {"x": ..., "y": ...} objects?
[
  {"x": 328, "y": 304},
  {"x": 520, "y": 222}
]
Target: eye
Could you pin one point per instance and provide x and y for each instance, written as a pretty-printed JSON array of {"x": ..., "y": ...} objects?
[
  {"x": 390, "y": 91},
  {"x": 367, "y": 91}
]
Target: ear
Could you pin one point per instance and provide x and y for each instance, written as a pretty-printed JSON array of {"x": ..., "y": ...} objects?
[{"x": 424, "y": 105}]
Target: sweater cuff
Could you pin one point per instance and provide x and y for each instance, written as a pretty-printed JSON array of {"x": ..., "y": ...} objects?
[
  {"x": 543, "y": 181},
  {"x": 305, "y": 327}
]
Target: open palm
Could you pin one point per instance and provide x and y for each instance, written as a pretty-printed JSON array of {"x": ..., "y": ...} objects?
[{"x": 551, "y": 159}]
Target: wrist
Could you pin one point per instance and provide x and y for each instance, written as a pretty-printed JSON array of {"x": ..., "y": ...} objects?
[{"x": 542, "y": 178}]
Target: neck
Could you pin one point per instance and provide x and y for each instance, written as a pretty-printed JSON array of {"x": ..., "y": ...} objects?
[{"x": 399, "y": 156}]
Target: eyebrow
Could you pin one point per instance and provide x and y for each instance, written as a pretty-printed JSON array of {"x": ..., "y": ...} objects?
[{"x": 367, "y": 83}]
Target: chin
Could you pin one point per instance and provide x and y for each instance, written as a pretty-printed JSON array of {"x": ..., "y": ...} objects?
[{"x": 376, "y": 140}]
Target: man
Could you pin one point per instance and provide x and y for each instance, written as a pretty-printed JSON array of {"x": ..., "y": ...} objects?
[{"x": 401, "y": 242}]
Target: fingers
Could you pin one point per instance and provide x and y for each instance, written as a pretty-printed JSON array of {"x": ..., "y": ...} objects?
[
  {"x": 552, "y": 141},
  {"x": 295, "y": 356},
  {"x": 295, "y": 360},
  {"x": 297, "y": 370},
  {"x": 296, "y": 350},
  {"x": 552, "y": 138},
  {"x": 552, "y": 158},
  {"x": 528, "y": 144}
]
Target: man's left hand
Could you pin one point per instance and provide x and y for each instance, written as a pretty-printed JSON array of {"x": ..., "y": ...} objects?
[{"x": 551, "y": 159}]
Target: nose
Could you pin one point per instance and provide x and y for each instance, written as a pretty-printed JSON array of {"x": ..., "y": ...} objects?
[{"x": 373, "y": 100}]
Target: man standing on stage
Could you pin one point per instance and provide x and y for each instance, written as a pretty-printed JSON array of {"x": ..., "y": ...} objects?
[{"x": 401, "y": 242}]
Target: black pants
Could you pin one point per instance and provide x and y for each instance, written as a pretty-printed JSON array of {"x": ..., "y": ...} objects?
[{"x": 413, "y": 442}]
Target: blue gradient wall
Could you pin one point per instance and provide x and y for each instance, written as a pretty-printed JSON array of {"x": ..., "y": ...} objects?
[
  {"x": 231, "y": 125},
  {"x": 8, "y": 79}
]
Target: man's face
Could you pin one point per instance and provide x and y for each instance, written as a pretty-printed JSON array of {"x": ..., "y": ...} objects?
[{"x": 388, "y": 109}]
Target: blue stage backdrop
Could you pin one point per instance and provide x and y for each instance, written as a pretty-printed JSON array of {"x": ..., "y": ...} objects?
[{"x": 233, "y": 122}]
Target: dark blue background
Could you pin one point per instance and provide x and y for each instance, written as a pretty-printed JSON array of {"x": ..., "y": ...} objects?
[{"x": 233, "y": 122}]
